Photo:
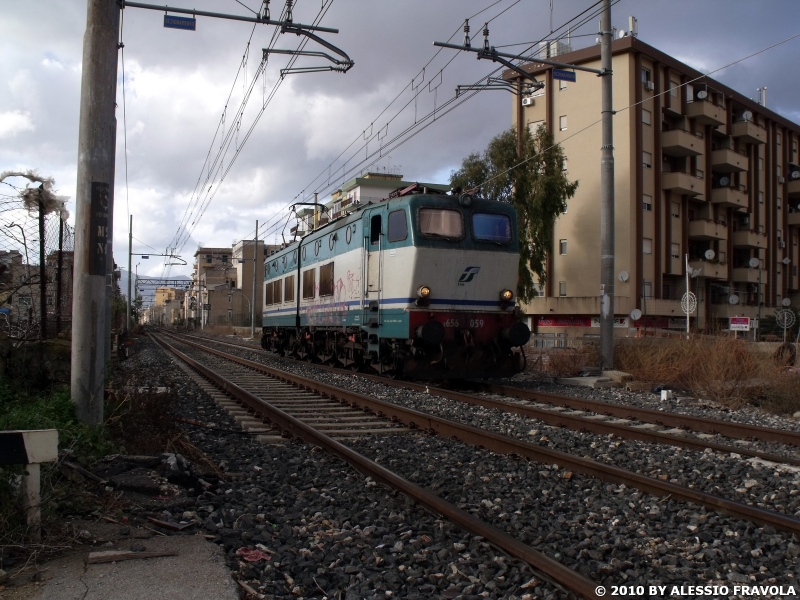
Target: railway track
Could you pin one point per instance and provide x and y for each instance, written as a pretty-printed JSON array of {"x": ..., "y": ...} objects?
[
  {"x": 549, "y": 568},
  {"x": 507, "y": 445},
  {"x": 581, "y": 414}
]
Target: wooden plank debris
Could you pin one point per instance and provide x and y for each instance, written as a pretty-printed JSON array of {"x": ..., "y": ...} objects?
[{"x": 108, "y": 556}]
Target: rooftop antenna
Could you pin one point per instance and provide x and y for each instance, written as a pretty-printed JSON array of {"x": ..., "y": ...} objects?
[{"x": 633, "y": 26}]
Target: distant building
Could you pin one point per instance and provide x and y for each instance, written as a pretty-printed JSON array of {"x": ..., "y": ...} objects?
[{"x": 700, "y": 170}]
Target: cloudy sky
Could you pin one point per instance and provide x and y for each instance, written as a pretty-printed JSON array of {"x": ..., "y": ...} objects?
[{"x": 322, "y": 128}]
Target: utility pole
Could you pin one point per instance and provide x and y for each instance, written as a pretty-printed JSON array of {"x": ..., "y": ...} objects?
[
  {"x": 606, "y": 197},
  {"x": 93, "y": 208},
  {"x": 130, "y": 246},
  {"x": 255, "y": 271}
]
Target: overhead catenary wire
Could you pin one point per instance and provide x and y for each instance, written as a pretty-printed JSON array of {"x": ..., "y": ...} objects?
[{"x": 269, "y": 226}]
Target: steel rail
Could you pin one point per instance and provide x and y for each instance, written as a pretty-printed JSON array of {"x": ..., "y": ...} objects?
[
  {"x": 576, "y": 422},
  {"x": 706, "y": 425},
  {"x": 561, "y": 574},
  {"x": 506, "y": 445}
]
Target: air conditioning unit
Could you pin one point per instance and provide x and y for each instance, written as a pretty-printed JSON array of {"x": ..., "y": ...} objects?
[
  {"x": 528, "y": 101},
  {"x": 781, "y": 179},
  {"x": 648, "y": 85},
  {"x": 781, "y": 244}
]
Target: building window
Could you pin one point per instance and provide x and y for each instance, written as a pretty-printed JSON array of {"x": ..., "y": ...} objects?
[
  {"x": 778, "y": 199},
  {"x": 533, "y": 126},
  {"x": 646, "y": 75},
  {"x": 647, "y": 245},
  {"x": 208, "y": 259},
  {"x": 794, "y": 147},
  {"x": 647, "y": 160},
  {"x": 676, "y": 210},
  {"x": 778, "y": 139},
  {"x": 224, "y": 258},
  {"x": 564, "y": 166},
  {"x": 647, "y": 202},
  {"x": 673, "y": 88},
  {"x": 761, "y": 197},
  {"x": 562, "y": 85},
  {"x": 676, "y": 251},
  {"x": 760, "y": 163},
  {"x": 562, "y": 288},
  {"x": 565, "y": 208},
  {"x": 778, "y": 170},
  {"x": 647, "y": 289},
  {"x": 562, "y": 123},
  {"x": 647, "y": 117},
  {"x": 665, "y": 292},
  {"x": 562, "y": 247}
]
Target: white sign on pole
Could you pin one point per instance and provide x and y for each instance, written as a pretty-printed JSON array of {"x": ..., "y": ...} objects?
[{"x": 740, "y": 324}]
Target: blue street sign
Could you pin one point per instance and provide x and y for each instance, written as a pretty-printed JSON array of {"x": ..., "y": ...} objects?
[
  {"x": 564, "y": 75},
  {"x": 173, "y": 22}
]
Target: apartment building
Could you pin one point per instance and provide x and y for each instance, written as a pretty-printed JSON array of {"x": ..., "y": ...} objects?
[{"x": 701, "y": 171}]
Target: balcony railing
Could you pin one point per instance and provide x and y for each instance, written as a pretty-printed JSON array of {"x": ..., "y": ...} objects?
[
  {"x": 730, "y": 196},
  {"x": 706, "y": 229},
  {"x": 707, "y": 113},
  {"x": 682, "y": 183},
  {"x": 749, "y": 239},
  {"x": 793, "y": 188},
  {"x": 713, "y": 269},
  {"x": 749, "y": 132},
  {"x": 725, "y": 160},
  {"x": 679, "y": 142}
]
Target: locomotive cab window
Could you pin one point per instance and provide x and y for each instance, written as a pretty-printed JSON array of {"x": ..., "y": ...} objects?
[
  {"x": 441, "y": 223},
  {"x": 375, "y": 229},
  {"x": 309, "y": 280},
  {"x": 398, "y": 226},
  {"x": 488, "y": 227}
]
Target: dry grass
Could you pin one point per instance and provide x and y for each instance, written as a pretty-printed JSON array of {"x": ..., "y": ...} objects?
[
  {"x": 718, "y": 368},
  {"x": 560, "y": 362}
]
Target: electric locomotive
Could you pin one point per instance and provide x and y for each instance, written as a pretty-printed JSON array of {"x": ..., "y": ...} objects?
[{"x": 419, "y": 285}]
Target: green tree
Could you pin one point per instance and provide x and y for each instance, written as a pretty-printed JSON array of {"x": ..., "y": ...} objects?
[{"x": 534, "y": 183}]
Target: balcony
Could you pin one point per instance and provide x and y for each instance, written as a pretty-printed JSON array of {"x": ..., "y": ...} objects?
[
  {"x": 793, "y": 188},
  {"x": 749, "y": 239},
  {"x": 678, "y": 142},
  {"x": 793, "y": 219},
  {"x": 712, "y": 270},
  {"x": 725, "y": 160},
  {"x": 745, "y": 275},
  {"x": 682, "y": 183},
  {"x": 728, "y": 196},
  {"x": 707, "y": 113},
  {"x": 706, "y": 229},
  {"x": 749, "y": 132}
]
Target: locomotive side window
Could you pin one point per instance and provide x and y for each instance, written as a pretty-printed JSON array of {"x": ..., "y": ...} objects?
[
  {"x": 326, "y": 280},
  {"x": 398, "y": 226},
  {"x": 269, "y": 294},
  {"x": 288, "y": 289},
  {"x": 436, "y": 222},
  {"x": 489, "y": 227},
  {"x": 276, "y": 292},
  {"x": 309, "y": 280},
  {"x": 375, "y": 229}
]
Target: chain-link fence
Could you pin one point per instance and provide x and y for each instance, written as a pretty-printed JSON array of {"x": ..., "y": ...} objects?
[{"x": 36, "y": 262}]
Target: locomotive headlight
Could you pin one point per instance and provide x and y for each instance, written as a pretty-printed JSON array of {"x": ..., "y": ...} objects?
[
  {"x": 506, "y": 295},
  {"x": 423, "y": 292}
]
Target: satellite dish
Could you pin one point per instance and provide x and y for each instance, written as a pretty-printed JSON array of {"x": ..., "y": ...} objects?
[
  {"x": 724, "y": 180},
  {"x": 636, "y": 314},
  {"x": 622, "y": 33},
  {"x": 702, "y": 94},
  {"x": 623, "y": 276},
  {"x": 794, "y": 175},
  {"x": 733, "y": 299},
  {"x": 747, "y": 115},
  {"x": 786, "y": 302},
  {"x": 754, "y": 263},
  {"x": 710, "y": 254},
  {"x": 786, "y": 260}
]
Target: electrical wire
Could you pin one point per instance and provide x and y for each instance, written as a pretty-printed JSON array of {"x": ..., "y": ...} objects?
[{"x": 635, "y": 104}]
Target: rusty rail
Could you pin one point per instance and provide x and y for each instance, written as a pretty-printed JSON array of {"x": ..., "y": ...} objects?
[
  {"x": 561, "y": 574},
  {"x": 506, "y": 445}
]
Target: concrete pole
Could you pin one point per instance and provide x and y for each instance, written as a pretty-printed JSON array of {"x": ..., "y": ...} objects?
[
  {"x": 255, "y": 271},
  {"x": 93, "y": 210},
  {"x": 130, "y": 246},
  {"x": 606, "y": 198}
]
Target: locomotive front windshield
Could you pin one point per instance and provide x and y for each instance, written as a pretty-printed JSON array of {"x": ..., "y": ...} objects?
[
  {"x": 437, "y": 222},
  {"x": 491, "y": 227}
]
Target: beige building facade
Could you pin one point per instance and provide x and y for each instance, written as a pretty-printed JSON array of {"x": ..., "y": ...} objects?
[{"x": 701, "y": 171}]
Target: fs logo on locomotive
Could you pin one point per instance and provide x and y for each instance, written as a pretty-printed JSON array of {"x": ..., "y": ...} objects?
[{"x": 468, "y": 275}]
